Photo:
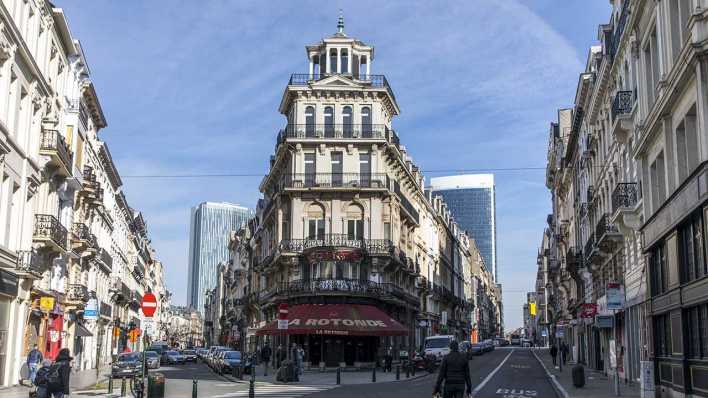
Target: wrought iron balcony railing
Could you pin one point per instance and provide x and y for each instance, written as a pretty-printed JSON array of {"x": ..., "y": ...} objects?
[
  {"x": 622, "y": 104},
  {"x": 52, "y": 143},
  {"x": 378, "y": 81},
  {"x": 105, "y": 259},
  {"x": 332, "y": 131},
  {"x": 407, "y": 205},
  {"x": 589, "y": 247},
  {"x": 327, "y": 240},
  {"x": 81, "y": 232},
  {"x": 29, "y": 261},
  {"x": 618, "y": 30},
  {"x": 48, "y": 228},
  {"x": 625, "y": 195},
  {"x": 605, "y": 227},
  {"x": 348, "y": 287},
  {"x": 335, "y": 180},
  {"x": 77, "y": 292}
]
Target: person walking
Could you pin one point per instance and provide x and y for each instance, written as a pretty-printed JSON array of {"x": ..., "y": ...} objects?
[
  {"x": 266, "y": 352},
  {"x": 554, "y": 352},
  {"x": 301, "y": 359},
  {"x": 34, "y": 359},
  {"x": 455, "y": 373},
  {"x": 564, "y": 352},
  {"x": 58, "y": 377},
  {"x": 279, "y": 356},
  {"x": 41, "y": 381}
]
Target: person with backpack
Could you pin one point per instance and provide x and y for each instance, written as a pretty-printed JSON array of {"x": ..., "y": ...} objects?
[
  {"x": 455, "y": 372},
  {"x": 58, "y": 375},
  {"x": 40, "y": 379},
  {"x": 265, "y": 357},
  {"x": 34, "y": 359}
]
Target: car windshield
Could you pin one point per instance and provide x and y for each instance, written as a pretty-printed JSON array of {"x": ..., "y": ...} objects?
[
  {"x": 129, "y": 357},
  {"x": 172, "y": 353},
  {"x": 441, "y": 342},
  {"x": 188, "y": 352},
  {"x": 232, "y": 355},
  {"x": 151, "y": 354}
]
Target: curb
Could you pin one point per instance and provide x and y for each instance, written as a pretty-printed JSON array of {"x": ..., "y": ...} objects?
[
  {"x": 245, "y": 380},
  {"x": 560, "y": 391}
]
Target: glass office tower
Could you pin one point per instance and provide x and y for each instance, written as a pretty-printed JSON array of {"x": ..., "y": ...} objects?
[
  {"x": 209, "y": 231},
  {"x": 471, "y": 200}
]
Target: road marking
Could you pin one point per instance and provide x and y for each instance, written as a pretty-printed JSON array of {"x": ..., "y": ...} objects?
[
  {"x": 555, "y": 382},
  {"x": 520, "y": 366},
  {"x": 279, "y": 390},
  {"x": 489, "y": 376}
]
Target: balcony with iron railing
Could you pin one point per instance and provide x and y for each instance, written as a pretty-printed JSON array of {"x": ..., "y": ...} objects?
[
  {"x": 336, "y": 181},
  {"x": 30, "y": 263},
  {"x": 375, "y": 81},
  {"x": 626, "y": 211},
  {"x": 573, "y": 260},
  {"x": 82, "y": 237},
  {"x": 53, "y": 145},
  {"x": 49, "y": 230},
  {"x": 618, "y": 30},
  {"x": 621, "y": 112},
  {"x": 607, "y": 234},
  {"x": 104, "y": 260},
  {"x": 410, "y": 211},
  {"x": 346, "y": 131},
  {"x": 371, "y": 246},
  {"x": 77, "y": 292}
]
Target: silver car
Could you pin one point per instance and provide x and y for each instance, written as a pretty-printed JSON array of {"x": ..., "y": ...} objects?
[{"x": 152, "y": 359}]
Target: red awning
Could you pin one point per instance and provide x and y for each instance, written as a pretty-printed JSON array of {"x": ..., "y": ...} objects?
[{"x": 337, "y": 319}]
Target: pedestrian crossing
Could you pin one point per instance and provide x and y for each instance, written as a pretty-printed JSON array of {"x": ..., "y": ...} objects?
[{"x": 269, "y": 390}]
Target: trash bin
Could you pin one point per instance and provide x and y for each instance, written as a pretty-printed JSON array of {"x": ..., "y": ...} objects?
[
  {"x": 578, "y": 373},
  {"x": 287, "y": 373},
  {"x": 156, "y": 385}
]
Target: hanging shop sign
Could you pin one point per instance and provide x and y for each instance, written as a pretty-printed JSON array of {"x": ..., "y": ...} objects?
[
  {"x": 91, "y": 310},
  {"x": 46, "y": 303},
  {"x": 352, "y": 255},
  {"x": 532, "y": 309},
  {"x": 589, "y": 310},
  {"x": 615, "y": 296},
  {"x": 604, "y": 321}
]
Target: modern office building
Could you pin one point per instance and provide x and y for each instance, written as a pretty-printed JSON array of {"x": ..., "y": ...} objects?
[
  {"x": 471, "y": 199},
  {"x": 209, "y": 231}
]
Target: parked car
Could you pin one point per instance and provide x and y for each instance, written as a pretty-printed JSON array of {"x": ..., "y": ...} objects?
[
  {"x": 477, "y": 348},
  {"x": 229, "y": 360},
  {"x": 189, "y": 355},
  {"x": 126, "y": 365},
  {"x": 152, "y": 359},
  {"x": 438, "y": 346},
  {"x": 466, "y": 348},
  {"x": 214, "y": 358},
  {"x": 489, "y": 345},
  {"x": 172, "y": 357},
  {"x": 201, "y": 353},
  {"x": 525, "y": 343},
  {"x": 501, "y": 342}
]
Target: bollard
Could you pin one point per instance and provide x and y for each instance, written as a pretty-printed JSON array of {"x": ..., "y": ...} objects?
[
  {"x": 373, "y": 375},
  {"x": 339, "y": 376},
  {"x": 412, "y": 369},
  {"x": 240, "y": 372},
  {"x": 398, "y": 372},
  {"x": 123, "y": 388},
  {"x": 408, "y": 372},
  {"x": 194, "y": 388},
  {"x": 110, "y": 385},
  {"x": 251, "y": 386}
]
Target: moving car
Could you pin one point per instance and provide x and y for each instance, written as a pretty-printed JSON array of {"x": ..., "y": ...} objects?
[
  {"x": 466, "y": 348},
  {"x": 501, "y": 342},
  {"x": 189, "y": 355},
  {"x": 228, "y": 361},
  {"x": 201, "y": 353},
  {"x": 489, "y": 345},
  {"x": 159, "y": 347},
  {"x": 515, "y": 339},
  {"x": 152, "y": 359},
  {"x": 172, "y": 357},
  {"x": 477, "y": 348},
  {"x": 438, "y": 346},
  {"x": 126, "y": 365}
]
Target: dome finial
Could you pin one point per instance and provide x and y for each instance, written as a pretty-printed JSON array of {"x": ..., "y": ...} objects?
[{"x": 340, "y": 22}]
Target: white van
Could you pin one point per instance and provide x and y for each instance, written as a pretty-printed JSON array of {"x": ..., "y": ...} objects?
[{"x": 438, "y": 346}]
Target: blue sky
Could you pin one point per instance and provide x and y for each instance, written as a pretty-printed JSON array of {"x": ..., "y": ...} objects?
[{"x": 194, "y": 86}]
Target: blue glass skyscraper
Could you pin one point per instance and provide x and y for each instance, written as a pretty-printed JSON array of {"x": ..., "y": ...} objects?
[
  {"x": 209, "y": 231},
  {"x": 471, "y": 199}
]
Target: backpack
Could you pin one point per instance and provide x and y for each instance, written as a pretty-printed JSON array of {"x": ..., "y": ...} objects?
[
  {"x": 54, "y": 381},
  {"x": 40, "y": 378}
]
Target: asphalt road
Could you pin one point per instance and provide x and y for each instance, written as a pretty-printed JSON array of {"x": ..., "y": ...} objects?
[{"x": 503, "y": 373}]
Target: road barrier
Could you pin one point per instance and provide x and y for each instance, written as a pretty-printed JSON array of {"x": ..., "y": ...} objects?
[
  {"x": 123, "y": 387},
  {"x": 251, "y": 384},
  {"x": 339, "y": 376},
  {"x": 194, "y": 388},
  {"x": 110, "y": 384},
  {"x": 398, "y": 372},
  {"x": 373, "y": 375}
]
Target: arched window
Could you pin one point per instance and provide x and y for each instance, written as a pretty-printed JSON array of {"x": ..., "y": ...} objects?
[
  {"x": 310, "y": 121},
  {"x": 355, "y": 222},
  {"x": 329, "y": 121},
  {"x": 345, "y": 61},
  {"x": 366, "y": 122},
  {"x": 315, "y": 222},
  {"x": 347, "y": 121},
  {"x": 333, "y": 60}
]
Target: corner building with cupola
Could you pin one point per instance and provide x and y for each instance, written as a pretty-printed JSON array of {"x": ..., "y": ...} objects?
[{"x": 346, "y": 233}]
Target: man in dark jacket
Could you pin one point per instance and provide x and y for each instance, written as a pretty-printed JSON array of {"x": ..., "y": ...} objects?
[
  {"x": 455, "y": 371},
  {"x": 554, "y": 353},
  {"x": 63, "y": 365},
  {"x": 266, "y": 352}
]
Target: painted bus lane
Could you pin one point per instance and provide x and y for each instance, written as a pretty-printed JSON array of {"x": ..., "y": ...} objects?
[{"x": 519, "y": 376}]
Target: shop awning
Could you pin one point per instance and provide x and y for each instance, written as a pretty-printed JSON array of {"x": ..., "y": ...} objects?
[
  {"x": 337, "y": 319},
  {"x": 81, "y": 330}
]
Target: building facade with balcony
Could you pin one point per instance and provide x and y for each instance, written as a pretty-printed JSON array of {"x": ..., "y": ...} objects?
[
  {"x": 625, "y": 168},
  {"x": 57, "y": 251}
]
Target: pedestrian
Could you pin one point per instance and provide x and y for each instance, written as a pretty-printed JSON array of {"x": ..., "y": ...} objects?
[
  {"x": 301, "y": 359},
  {"x": 455, "y": 372},
  {"x": 40, "y": 379},
  {"x": 58, "y": 375},
  {"x": 34, "y": 359},
  {"x": 554, "y": 353},
  {"x": 564, "y": 352},
  {"x": 388, "y": 360},
  {"x": 279, "y": 356},
  {"x": 265, "y": 357}
]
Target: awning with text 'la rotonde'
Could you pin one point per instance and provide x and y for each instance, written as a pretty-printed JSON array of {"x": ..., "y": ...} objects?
[{"x": 337, "y": 320}]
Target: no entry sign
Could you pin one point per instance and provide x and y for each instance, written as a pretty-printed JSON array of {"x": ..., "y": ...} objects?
[
  {"x": 283, "y": 316},
  {"x": 149, "y": 304}
]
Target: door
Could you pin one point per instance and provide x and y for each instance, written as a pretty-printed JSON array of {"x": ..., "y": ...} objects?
[
  {"x": 336, "y": 162},
  {"x": 365, "y": 169},
  {"x": 310, "y": 169}
]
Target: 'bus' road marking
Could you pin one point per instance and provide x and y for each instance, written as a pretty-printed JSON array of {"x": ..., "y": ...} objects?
[{"x": 489, "y": 377}]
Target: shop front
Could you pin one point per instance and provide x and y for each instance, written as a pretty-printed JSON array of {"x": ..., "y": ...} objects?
[
  {"x": 334, "y": 335},
  {"x": 9, "y": 287}
]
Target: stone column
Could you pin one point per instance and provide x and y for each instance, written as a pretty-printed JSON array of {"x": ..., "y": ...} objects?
[{"x": 339, "y": 60}]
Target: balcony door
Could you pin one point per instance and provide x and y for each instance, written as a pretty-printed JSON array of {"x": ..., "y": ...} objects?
[
  {"x": 366, "y": 122},
  {"x": 336, "y": 163},
  {"x": 347, "y": 121},
  {"x": 365, "y": 169},
  {"x": 310, "y": 169},
  {"x": 329, "y": 122},
  {"x": 310, "y": 121}
]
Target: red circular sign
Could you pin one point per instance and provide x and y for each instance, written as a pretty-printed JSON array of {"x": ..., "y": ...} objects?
[
  {"x": 283, "y": 311},
  {"x": 149, "y": 304}
]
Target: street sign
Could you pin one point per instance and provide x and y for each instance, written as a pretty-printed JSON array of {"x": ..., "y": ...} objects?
[
  {"x": 149, "y": 304},
  {"x": 282, "y": 324},
  {"x": 615, "y": 296},
  {"x": 46, "y": 303},
  {"x": 544, "y": 332},
  {"x": 559, "y": 332},
  {"x": 589, "y": 310},
  {"x": 148, "y": 325},
  {"x": 532, "y": 309},
  {"x": 91, "y": 310},
  {"x": 283, "y": 316}
]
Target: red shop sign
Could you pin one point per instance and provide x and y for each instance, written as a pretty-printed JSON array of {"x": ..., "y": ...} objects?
[{"x": 589, "y": 310}]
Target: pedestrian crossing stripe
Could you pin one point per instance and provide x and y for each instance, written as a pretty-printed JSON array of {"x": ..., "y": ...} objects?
[{"x": 278, "y": 391}]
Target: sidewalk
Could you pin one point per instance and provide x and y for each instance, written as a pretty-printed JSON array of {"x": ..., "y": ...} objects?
[
  {"x": 79, "y": 381},
  {"x": 596, "y": 383},
  {"x": 316, "y": 377}
]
